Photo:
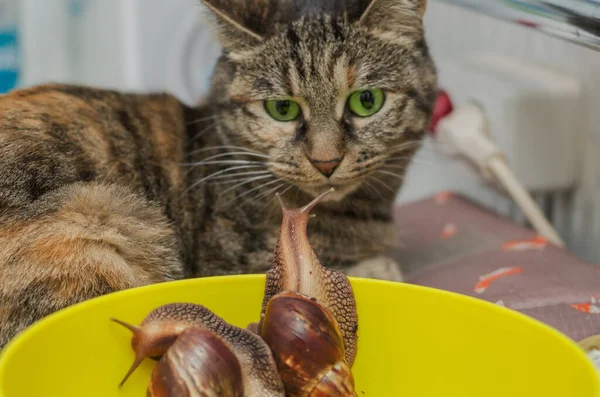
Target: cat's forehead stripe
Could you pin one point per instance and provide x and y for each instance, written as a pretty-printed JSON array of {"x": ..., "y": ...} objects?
[{"x": 312, "y": 58}]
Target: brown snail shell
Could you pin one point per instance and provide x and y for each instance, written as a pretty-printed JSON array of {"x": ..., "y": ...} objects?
[
  {"x": 308, "y": 347},
  {"x": 162, "y": 328},
  {"x": 199, "y": 363}
]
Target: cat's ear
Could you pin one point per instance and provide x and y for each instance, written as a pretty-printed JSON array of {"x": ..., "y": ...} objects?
[
  {"x": 394, "y": 15},
  {"x": 239, "y": 22}
]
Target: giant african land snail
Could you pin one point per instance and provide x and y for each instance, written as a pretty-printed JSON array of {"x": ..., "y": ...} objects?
[{"x": 303, "y": 346}]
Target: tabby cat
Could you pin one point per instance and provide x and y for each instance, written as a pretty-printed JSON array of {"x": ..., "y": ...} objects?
[{"x": 102, "y": 191}]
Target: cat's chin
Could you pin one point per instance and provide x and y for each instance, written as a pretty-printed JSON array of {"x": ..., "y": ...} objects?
[{"x": 340, "y": 192}]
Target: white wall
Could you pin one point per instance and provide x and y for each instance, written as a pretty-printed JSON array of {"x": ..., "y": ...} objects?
[{"x": 454, "y": 32}]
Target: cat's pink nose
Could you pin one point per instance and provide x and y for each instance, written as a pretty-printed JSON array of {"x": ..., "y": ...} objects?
[{"x": 326, "y": 167}]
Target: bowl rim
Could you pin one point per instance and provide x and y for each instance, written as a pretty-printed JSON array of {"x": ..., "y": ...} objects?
[{"x": 12, "y": 347}]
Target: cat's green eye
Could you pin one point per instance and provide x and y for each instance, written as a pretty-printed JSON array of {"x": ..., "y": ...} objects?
[
  {"x": 367, "y": 102},
  {"x": 283, "y": 110}
]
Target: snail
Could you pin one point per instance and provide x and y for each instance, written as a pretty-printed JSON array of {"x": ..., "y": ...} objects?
[
  {"x": 304, "y": 344},
  {"x": 309, "y": 314},
  {"x": 183, "y": 335}
]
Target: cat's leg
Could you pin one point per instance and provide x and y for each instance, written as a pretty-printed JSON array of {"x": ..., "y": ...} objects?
[
  {"x": 379, "y": 267},
  {"x": 76, "y": 243}
]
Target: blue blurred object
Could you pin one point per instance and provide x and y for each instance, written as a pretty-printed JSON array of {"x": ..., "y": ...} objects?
[
  {"x": 9, "y": 60},
  {"x": 10, "y": 53}
]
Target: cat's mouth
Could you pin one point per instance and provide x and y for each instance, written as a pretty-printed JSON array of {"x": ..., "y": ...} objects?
[{"x": 315, "y": 184}]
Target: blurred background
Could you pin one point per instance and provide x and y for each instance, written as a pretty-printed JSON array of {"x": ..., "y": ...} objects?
[{"x": 534, "y": 65}]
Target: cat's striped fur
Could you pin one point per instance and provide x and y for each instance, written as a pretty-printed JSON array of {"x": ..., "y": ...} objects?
[{"x": 102, "y": 191}]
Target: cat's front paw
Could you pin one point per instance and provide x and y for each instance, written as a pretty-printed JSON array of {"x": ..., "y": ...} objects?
[{"x": 379, "y": 267}]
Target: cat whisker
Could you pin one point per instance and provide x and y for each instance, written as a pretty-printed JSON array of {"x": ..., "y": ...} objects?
[
  {"x": 200, "y": 120},
  {"x": 285, "y": 191},
  {"x": 226, "y": 182},
  {"x": 230, "y": 154},
  {"x": 398, "y": 157},
  {"x": 274, "y": 196},
  {"x": 245, "y": 182},
  {"x": 407, "y": 144},
  {"x": 271, "y": 192},
  {"x": 371, "y": 164},
  {"x": 390, "y": 174},
  {"x": 391, "y": 166},
  {"x": 225, "y": 171},
  {"x": 404, "y": 158},
  {"x": 201, "y": 134},
  {"x": 421, "y": 146},
  {"x": 403, "y": 147},
  {"x": 383, "y": 157},
  {"x": 249, "y": 192},
  {"x": 408, "y": 158},
  {"x": 223, "y": 162},
  {"x": 237, "y": 174},
  {"x": 385, "y": 185},
  {"x": 371, "y": 187},
  {"x": 416, "y": 161},
  {"x": 265, "y": 194},
  {"x": 207, "y": 149}
]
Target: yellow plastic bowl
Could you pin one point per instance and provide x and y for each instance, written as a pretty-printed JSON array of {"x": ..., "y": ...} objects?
[{"x": 413, "y": 341}]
